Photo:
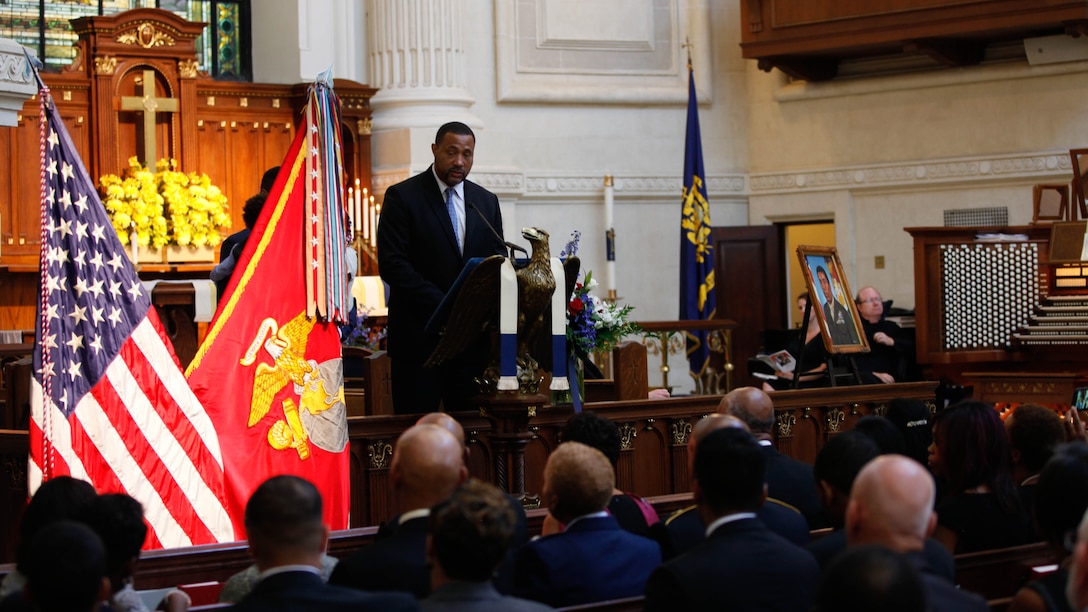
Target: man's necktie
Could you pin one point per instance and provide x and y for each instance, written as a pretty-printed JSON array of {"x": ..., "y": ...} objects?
[{"x": 452, "y": 211}]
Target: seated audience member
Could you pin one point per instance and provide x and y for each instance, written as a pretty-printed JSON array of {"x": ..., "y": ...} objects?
[
  {"x": 812, "y": 356},
  {"x": 287, "y": 539},
  {"x": 837, "y": 465},
  {"x": 1076, "y": 589},
  {"x": 867, "y": 578},
  {"x": 593, "y": 559},
  {"x": 1061, "y": 498},
  {"x": 891, "y": 505},
  {"x": 788, "y": 479},
  {"x": 504, "y": 575},
  {"x": 981, "y": 509},
  {"x": 118, "y": 519},
  {"x": 65, "y": 570},
  {"x": 912, "y": 418},
  {"x": 890, "y": 349},
  {"x": 470, "y": 534},
  {"x": 231, "y": 250},
  {"x": 741, "y": 565},
  {"x": 883, "y": 432},
  {"x": 632, "y": 513},
  {"x": 240, "y": 584},
  {"x": 685, "y": 528},
  {"x": 1034, "y": 433},
  {"x": 427, "y": 466},
  {"x": 57, "y": 499}
]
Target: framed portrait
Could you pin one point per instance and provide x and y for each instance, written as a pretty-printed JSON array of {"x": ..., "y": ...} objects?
[{"x": 831, "y": 298}]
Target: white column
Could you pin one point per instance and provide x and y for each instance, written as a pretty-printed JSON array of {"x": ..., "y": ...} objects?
[
  {"x": 16, "y": 81},
  {"x": 417, "y": 62}
]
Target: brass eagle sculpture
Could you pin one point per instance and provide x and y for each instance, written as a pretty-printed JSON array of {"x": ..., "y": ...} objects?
[{"x": 475, "y": 311}]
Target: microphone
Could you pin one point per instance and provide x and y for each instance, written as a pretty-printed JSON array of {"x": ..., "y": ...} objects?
[{"x": 513, "y": 247}]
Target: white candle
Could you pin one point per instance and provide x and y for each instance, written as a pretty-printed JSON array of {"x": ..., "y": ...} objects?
[
  {"x": 352, "y": 217},
  {"x": 366, "y": 215},
  {"x": 357, "y": 227},
  {"x": 377, "y": 217},
  {"x": 610, "y": 247},
  {"x": 373, "y": 223}
]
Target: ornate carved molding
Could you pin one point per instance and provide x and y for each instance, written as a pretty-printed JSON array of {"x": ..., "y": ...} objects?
[
  {"x": 105, "y": 65},
  {"x": 835, "y": 417},
  {"x": 363, "y": 126},
  {"x": 628, "y": 433},
  {"x": 786, "y": 421},
  {"x": 188, "y": 69},
  {"x": 146, "y": 35},
  {"x": 379, "y": 453},
  {"x": 681, "y": 431},
  {"x": 915, "y": 174},
  {"x": 13, "y": 69}
]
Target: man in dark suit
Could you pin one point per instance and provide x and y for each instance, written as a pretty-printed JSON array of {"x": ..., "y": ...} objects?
[
  {"x": 470, "y": 534},
  {"x": 427, "y": 468},
  {"x": 891, "y": 504},
  {"x": 685, "y": 529},
  {"x": 788, "y": 479},
  {"x": 287, "y": 538},
  {"x": 431, "y": 224},
  {"x": 839, "y": 319},
  {"x": 742, "y": 565},
  {"x": 593, "y": 559}
]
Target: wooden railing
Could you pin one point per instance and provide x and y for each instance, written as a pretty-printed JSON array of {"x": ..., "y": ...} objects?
[{"x": 668, "y": 338}]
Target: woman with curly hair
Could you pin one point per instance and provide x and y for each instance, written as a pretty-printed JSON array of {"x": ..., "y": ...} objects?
[{"x": 980, "y": 509}]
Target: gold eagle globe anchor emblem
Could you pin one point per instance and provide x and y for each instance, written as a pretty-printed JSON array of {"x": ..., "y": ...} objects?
[{"x": 319, "y": 417}]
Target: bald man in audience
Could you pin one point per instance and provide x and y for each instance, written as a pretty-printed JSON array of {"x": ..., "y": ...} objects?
[
  {"x": 504, "y": 574},
  {"x": 741, "y": 565},
  {"x": 428, "y": 465},
  {"x": 594, "y": 559},
  {"x": 891, "y": 504},
  {"x": 685, "y": 528},
  {"x": 287, "y": 539},
  {"x": 788, "y": 479}
]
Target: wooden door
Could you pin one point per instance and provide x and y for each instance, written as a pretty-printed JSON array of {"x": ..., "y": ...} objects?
[{"x": 749, "y": 276}]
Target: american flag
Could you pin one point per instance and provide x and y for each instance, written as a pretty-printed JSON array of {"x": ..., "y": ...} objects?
[{"x": 110, "y": 404}]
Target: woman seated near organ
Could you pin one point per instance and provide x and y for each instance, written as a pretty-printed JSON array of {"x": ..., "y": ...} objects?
[{"x": 812, "y": 357}]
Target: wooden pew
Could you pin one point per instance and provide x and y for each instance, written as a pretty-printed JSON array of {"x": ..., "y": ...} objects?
[{"x": 997, "y": 574}]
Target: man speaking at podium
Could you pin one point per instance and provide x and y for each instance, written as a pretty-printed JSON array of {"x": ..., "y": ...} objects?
[{"x": 431, "y": 224}]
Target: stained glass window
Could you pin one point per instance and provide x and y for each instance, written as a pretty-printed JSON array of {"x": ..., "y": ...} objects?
[{"x": 43, "y": 25}]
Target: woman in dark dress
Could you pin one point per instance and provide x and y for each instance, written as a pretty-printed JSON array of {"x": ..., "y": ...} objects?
[
  {"x": 971, "y": 453},
  {"x": 812, "y": 357},
  {"x": 1061, "y": 497}
]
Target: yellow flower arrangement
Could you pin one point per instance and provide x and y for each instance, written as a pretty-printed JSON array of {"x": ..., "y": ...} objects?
[{"x": 166, "y": 207}]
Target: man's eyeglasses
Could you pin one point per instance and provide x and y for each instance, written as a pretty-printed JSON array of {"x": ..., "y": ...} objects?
[{"x": 871, "y": 301}]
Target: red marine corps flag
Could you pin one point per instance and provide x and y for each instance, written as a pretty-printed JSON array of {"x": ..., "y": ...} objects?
[
  {"x": 109, "y": 403},
  {"x": 269, "y": 372}
]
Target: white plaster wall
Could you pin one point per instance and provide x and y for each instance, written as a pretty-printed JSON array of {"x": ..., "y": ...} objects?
[{"x": 880, "y": 154}]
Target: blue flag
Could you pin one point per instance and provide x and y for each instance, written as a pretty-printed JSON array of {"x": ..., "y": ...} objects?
[{"x": 696, "y": 264}]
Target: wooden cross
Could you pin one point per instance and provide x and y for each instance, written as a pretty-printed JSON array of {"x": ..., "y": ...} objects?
[{"x": 149, "y": 105}]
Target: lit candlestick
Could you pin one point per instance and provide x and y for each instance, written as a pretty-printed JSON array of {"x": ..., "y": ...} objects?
[
  {"x": 366, "y": 214},
  {"x": 357, "y": 228},
  {"x": 377, "y": 217},
  {"x": 610, "y": 238},
  {"x": 352, "y": 217},
  {"x": 373, "y": 223}
]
